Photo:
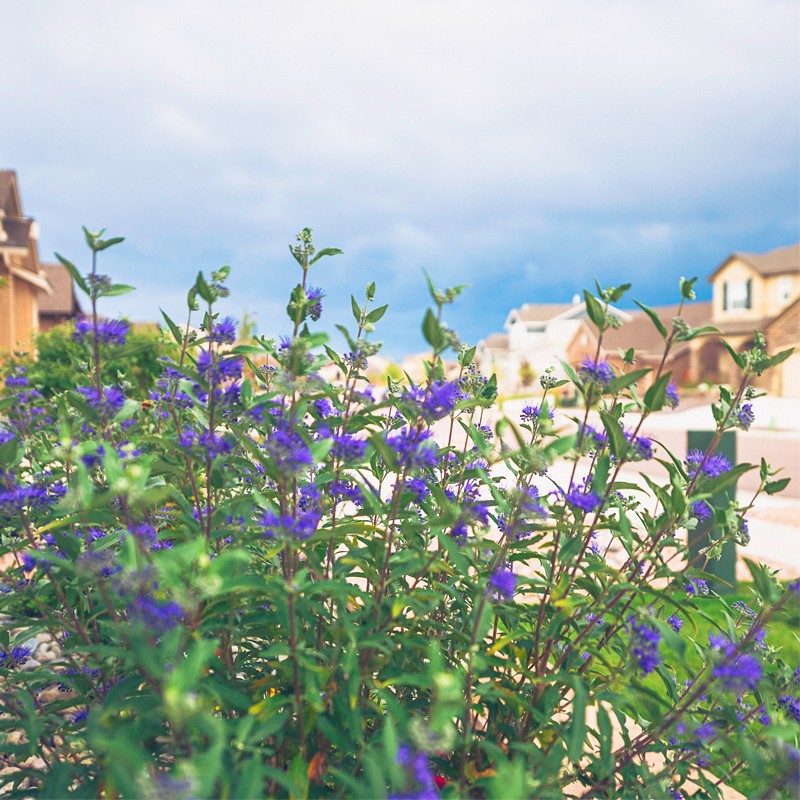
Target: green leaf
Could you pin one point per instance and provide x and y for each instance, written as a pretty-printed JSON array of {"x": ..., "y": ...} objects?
[
  {"x": 356, "y": 309},
  {"x": 626, "y": 379},
  {"x": 173, "y": 328},
  {"x": 104, "y": 244},
  {"x": 601, "y": 475},
  {"x": 594, "y": 310},
  {"x": 117, "y": 289},
  {"x": 656, "y": 320},
  {"x": 203, "y": 289},
  {"x": 656, "y": 395},
  {"x": 773, "y": 361},
  {"x": 739, "y": 359},
  {"x": 431, "y": 330},
  {"x": 326, "y": 251},
  {"x": 376, "y": 313},
  {"x": 73, "y": 270},
  {"x": 773, "y": 487},
  {"x": 577, "y": 731},
  {"x": 616, "y": 436},
  {"x": 466, "y": 358},
  {"x": 687, "y": 288}
]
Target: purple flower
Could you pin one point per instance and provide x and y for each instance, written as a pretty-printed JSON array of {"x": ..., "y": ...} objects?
[
  {"x": 224, "y": 332},
  {"x": 347, "y": 491},
  {"x": 504, "y": 583},
  {"x": 696, "y": 586},
  {"x": 744, "y": 416},
  {"x": 532, "y": 413},
  {"x": 109, "y": 401},
  {"x": 640, "y": 448},
  {"x": 715, "y": 464},
  {"x": 700, "y": 509},
  {"x": 109, "y": 331},
  {"x": 736, "y": 672},
  {"x": 347, "y": 447},
  {"x": 790, "y": 706},
  {"x": 675, "y": 622},
  {"x": 673, "y": 400},
  {"x": 418, "y": 488},
  {"x": 299, "y": 525},
  {"x": 214, "y": 444},
  {"x": 644, "y": 645},
  {"x": 743, "y": 608},
  {"x": 437, "y": 402},
  {"x": 157, "y": 615},
  {"x": 324, "y": 408},
  {"x": 418, "y": 767},
  {"x": 593, "y": 437},
  {"x": 599, "y": 373},
  {"x": 314, "y": 297},
  {"x": 582, "y": 499},
  {"x": 16, "y": 658},
  {"x": 288, "y": 450},
  {"x": 703, "y": 733},
  {"x": 415, "y": 450}
]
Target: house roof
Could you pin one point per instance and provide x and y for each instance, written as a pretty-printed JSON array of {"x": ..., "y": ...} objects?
[
  {"x": 776, "y": 262},
  {"x": 496, "y": 341},
  {"x": 62, "y": 300},
  {"x": 541, "y": 312},
  {"x": 643, "y": 335},
  {"x": 7, "y": 179}
]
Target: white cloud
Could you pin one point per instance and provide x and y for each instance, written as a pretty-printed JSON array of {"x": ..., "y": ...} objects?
[{"x": 475, "y": 139}]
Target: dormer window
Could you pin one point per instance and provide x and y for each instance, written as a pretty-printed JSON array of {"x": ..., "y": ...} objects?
[{"x": 736, "y": 294}]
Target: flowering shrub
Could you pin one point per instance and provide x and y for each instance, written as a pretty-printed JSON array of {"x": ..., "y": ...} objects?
[{"x": 246, "y": 580}]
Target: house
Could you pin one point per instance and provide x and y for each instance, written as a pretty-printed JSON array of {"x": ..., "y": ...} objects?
[
  {"x": 33, "y": 296},
  {"x": 760, "y": 291},
  {"x": 537, "y": 336},
  {"x": 62, "y": 305},
  {"x": 22, "y": 278},
  {"x": 750, "y": 291}
]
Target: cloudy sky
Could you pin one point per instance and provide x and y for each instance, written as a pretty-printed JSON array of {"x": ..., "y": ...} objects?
[{"x": 523, "y": 148}]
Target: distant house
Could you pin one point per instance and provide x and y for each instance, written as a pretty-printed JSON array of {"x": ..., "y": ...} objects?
[
  {"x": 537, "y": 336},
  {"x": 750, "y": 291},
  {"x": 22, "y": 278}
]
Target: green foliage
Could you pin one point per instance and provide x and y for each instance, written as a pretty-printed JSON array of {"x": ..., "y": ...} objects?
[
  {"x": 61, "y": 363},
  {"x": 277, "y": 586}
]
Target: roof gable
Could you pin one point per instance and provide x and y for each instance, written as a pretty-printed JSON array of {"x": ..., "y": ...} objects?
[{"x": 775, "y": 262}]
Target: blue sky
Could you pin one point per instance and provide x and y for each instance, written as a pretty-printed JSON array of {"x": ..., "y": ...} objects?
[{"x": 523, "y": 148}]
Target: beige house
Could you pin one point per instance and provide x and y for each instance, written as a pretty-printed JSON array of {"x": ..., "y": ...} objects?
[
  {"x": 750, "y": 291},
  {"x": 33, "y": 296}
]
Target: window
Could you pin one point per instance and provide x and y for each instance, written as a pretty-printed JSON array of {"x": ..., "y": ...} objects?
[
  {"x": 736, "y": 294},
  {"x": 785, "y": 289}
]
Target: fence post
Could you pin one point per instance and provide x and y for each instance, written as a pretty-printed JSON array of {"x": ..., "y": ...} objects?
[{"x": 705, "y": 532}]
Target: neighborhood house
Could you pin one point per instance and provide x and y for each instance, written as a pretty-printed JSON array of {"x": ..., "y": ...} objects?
[{"x": 750, "y": 291}]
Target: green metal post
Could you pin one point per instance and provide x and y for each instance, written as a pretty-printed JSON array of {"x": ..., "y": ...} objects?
[{"x": 705, "y": 532}]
